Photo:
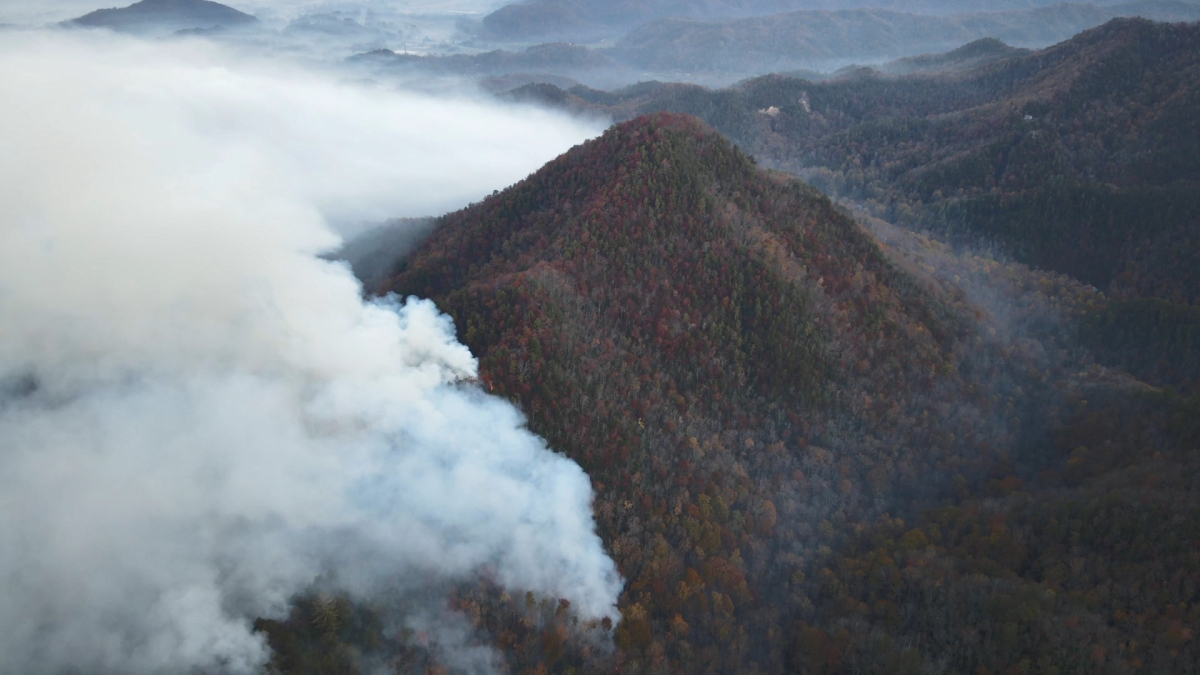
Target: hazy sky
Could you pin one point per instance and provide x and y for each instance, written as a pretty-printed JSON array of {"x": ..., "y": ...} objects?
[{"x": 199, "y": 416}]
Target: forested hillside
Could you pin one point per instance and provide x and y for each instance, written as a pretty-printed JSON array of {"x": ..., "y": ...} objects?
[
  {"x": 813, "y": 451},
  {"x": 165, "y": 16},
  {"x": 1029, "y": 152},
  {"x": 971, "y": 55},
  {"x": 1080, "y": 158}
]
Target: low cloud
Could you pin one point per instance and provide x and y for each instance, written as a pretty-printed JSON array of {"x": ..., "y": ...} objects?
[{"x": 199, "y": 416}]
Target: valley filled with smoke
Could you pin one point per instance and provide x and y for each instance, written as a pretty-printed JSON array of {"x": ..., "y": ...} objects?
[{"x": 200, "y": 418}]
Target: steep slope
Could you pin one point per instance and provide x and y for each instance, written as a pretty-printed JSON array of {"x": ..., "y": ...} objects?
[
  {"x": 768, "y": 399},
  {"x": 742, "y": 371},
  {"x": 1080, "y": 158},
  {"x": 167, "y": 16}
]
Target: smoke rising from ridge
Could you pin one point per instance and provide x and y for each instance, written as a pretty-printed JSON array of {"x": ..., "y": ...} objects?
[{"x": 199, "y": 416}]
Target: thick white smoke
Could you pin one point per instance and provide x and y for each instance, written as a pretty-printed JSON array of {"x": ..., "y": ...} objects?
[{"x": 198, "y": 416}]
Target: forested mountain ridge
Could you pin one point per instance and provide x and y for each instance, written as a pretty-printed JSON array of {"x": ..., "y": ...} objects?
[
  {"x": 539, "y": 19},
  {"x": 1110, "y": 107},
  {"x": 1079, "y": 158},
  {"x": 971, "y": 55},
  {"x": 565, "y": 61},
  {"x": 801, "y": 39},
  {"x": 675, "y": 321},
  {"x": 764, "y": 394},
  {"x": 536, "y": 20},
  {"x": 713, "y": 52}
]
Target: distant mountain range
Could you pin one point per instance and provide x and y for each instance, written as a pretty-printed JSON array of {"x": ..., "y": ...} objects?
[
  {"x": 335, "y": 25},
  {"x": 717, "y": 53},
  {"x": 806, "y": 38},
  {"x": 574, "y": 19},
  {"x": 1018, "y": 125},
  {"x": 972, "y": 55},
  {"x": 165, "y": 16},
  {"x": 1081, "y": 158},
  {"x": 559, "y": 58},
  {"x": 540, "y": 20}
]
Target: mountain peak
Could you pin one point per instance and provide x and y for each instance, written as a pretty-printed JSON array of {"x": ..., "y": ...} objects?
[
  {"x": 655, "y": 167},
  {"x": 661, "y": 216},
  {"x": 165, "y": 16},
  {"x": 680, "y": 321}
]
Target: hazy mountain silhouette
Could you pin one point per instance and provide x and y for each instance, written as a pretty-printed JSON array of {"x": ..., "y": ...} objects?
[
  {"x": 803, "y": 39},
  {"x": 541, "y": 20},
  {"x": 166, "y": 16}
]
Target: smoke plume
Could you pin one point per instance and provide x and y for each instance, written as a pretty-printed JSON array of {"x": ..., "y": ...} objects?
[{"x": 198, "y": 415}]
